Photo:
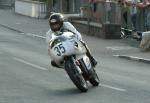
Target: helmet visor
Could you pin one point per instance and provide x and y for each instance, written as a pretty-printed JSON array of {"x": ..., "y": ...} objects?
[{"x": 55, "y": 26}]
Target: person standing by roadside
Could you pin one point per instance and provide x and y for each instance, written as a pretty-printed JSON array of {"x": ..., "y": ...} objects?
[
  {"x": 146, "y": 5},
  {"x": 124, "y": 12},
  {"x": 133, "y": 12}
]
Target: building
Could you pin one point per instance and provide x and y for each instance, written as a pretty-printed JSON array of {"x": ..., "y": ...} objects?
[
  {"x": 7, "y": 3},
  {"x": 65, "y": 6}
]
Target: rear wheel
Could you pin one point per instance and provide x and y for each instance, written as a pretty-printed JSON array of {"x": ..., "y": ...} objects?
[{"x": 75, "y": 75}]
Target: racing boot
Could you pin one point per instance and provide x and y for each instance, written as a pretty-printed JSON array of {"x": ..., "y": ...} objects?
[{"x": 88, "y": 53}]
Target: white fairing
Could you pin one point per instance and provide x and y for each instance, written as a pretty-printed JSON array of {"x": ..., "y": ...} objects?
[{"x": 64, "y": 45}]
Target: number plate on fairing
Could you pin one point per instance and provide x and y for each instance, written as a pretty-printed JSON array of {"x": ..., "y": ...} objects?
[{"x": 59, "y": 49}]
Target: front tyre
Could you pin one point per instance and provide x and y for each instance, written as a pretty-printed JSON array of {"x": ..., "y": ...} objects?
[
  {"x": 75, "y": 75},
  {"x": 94, "y": 79}
]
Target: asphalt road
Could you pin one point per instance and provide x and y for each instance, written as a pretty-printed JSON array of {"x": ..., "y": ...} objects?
[{"x": 27, "y": 77}]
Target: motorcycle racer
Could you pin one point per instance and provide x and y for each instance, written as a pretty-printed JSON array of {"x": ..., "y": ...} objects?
[{"x": 57, "y": 24}]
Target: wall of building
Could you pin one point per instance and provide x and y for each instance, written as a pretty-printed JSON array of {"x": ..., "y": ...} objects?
[{"x": 30, "y": 8}]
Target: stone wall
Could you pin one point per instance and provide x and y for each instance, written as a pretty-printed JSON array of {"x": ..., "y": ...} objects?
[{"x": 106, "y": 31}]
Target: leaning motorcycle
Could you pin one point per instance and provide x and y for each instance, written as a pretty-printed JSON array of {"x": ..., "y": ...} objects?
[{"x": 70, "y": 54}]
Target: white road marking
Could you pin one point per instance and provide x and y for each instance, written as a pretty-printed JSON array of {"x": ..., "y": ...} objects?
[
  {"x": 18, "y": 23},
  {"x": 114, "y": 88},
  {"x": 119, "y": 48},
  {"x": 30, "y": 64},
  {"x": 22, "y": 33},
  {"x": 34, "y": 35}
]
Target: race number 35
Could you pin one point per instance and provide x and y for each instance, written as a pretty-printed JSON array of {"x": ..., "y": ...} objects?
[{"x": 59, "y": 49}]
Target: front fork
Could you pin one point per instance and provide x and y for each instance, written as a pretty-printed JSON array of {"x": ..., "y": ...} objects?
[{"x": 74, "y": 62}]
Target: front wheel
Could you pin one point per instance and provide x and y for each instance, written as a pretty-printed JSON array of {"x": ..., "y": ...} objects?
[
  {"x": 94, "y": 79},
  {"x": 76, "y": 77}
]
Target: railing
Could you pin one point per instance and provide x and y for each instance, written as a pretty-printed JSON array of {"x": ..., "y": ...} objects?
[{"x": 106, "y": 12}]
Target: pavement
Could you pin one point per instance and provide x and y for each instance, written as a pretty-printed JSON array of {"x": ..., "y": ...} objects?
[{"x": 38, "y": 27}]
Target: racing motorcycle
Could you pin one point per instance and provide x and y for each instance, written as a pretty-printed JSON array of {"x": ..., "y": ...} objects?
[{"x": 70, "y": 54}]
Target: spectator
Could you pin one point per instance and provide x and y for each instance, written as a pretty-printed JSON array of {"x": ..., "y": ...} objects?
[
  {"x": 133, "y": 12},
  {"x": 146, "y": 5},
  {"x": 125, "y": 12},
  {"x": 94, "y": 5}
]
